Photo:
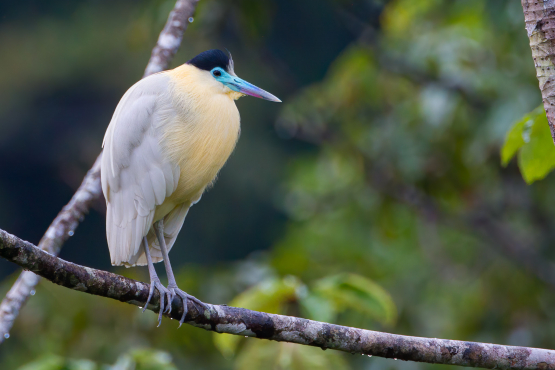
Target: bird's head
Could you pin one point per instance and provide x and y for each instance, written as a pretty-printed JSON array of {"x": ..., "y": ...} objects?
[{"x": 220, "y": 67}]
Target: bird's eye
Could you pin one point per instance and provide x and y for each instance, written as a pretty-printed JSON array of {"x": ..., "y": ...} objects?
[{"x": 217, "y": 73}]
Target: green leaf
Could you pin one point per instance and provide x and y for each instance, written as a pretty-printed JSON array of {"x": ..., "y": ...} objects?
[
  {"x": 268, "y": 296},
  {"x": 48, "y": 362},
  {"x": 260, "y": 354},
  {"x": 537, "y": 157},
  {"x": 531, "y": 138},
  {"x": 514, "y": 140},
  {"x": 53, "y": 362},
  {"x": 81, "y": 365},
  {"x": 351, "y": 291},
  {"x": 317, "y": 308},
  {"x": 143, "y": 359}
]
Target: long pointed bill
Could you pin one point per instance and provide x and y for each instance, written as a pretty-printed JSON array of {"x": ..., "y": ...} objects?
[{"x": 244, "y": 87}]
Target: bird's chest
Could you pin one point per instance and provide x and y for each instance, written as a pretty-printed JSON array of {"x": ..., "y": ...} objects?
[{"x": 201, "y": 140}]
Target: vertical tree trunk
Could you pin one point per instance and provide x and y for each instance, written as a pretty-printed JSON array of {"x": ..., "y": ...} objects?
[{"x": 539, "y": 16}]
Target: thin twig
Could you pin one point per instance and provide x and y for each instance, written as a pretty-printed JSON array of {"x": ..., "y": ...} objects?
[
  {"x": 73, "y": 213},
  {"x": 171, "y": 36},
  {"x": 240, "y": 321}
]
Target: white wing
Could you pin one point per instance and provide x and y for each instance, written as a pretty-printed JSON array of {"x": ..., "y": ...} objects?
[{"x": 136, "y": 175}]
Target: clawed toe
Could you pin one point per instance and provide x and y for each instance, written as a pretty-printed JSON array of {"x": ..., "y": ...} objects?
[
  {"x": 171, "y": 296},
  {"x": 199, "y": 302},
  {"x": 184, "y": 297},
  {"x": 165, "y": 296}
]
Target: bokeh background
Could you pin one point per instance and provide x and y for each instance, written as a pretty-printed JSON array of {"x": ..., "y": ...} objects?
[{"x": 373, "y": 196}]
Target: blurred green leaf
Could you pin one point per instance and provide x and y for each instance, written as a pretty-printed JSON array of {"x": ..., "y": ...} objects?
[
  {"x": 53, "y": 362},
  {"x": 49, "y": 362},
  {"x": 137, "y": 359},
  {"x": 81, "y": 365},
  {"x": 318, "y": 308},
  {"x": 268, "y": 296},
  {"x": 514, "y": 140},
  {"x": 532, "y": 136},
  {"x": 287, "y": 356},
  {"x": 537, "y": 157},
  {"x": 143, "y": 359},
  {"x": 351, "y": 291}
]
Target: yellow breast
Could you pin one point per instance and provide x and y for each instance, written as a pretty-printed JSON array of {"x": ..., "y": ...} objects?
[{"x": 204, "y": 133}]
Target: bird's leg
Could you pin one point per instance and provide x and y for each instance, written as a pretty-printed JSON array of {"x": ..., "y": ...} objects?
[
  {"x": 172, "y": 285},
  {"x": 155, "y": 284}
]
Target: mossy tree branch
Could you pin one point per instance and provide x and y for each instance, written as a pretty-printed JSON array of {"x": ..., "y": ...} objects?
[{"x": 240, "y": 321}]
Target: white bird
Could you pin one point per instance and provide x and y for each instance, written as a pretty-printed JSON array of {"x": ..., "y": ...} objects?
[{"x": 170, "y": 135}]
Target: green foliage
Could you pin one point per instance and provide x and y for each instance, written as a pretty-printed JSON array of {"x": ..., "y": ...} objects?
[
  {"x": 53, "y": 362},
  {"x": 406, "y": 129},
  {"x": 351, "y": 291},
  {"x": 531, "y": 138},
  {"x": 138, "y": 359},
  {"x": 143, "y": 359},
  {"x": 329, "y": 297},
  {"x": 268, "y": 296},
  {"x": 515, "y": 139},
  {"x": 286, "y": 356},
  {"x": 318, "y": 308}
]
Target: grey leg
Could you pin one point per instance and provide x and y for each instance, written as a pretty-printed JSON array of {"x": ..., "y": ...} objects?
[
  {"x": 172, "y": 285},
  {"x": 155, "y": 284}
]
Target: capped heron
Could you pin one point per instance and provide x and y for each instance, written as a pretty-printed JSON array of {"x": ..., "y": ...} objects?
[{"x": 170, "y": 135}]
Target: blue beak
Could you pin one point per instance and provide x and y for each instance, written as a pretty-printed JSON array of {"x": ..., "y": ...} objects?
[{"x": 238, "y": 84}]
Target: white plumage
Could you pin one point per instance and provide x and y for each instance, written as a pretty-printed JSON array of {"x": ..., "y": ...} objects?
[
  {"x": 162, "y": 137},
  {"x": 170, "y": 135},
  {"x": 136, "y": 175}
]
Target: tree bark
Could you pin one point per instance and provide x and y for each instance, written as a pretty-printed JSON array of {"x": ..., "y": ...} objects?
[
  {"x": 240, "y": 321},
  {"x": 539, "y": 16},
  {"x": 171, "y": 36},
  {"x": 73, "y": 213}
]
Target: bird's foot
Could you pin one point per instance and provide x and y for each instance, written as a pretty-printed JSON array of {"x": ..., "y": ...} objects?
[
  {"x": 165, "y": 296},
  {"x": 175, "y": 291}
]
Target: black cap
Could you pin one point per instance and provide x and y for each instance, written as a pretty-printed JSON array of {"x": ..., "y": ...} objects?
[{"x": 211, "y": 59}]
